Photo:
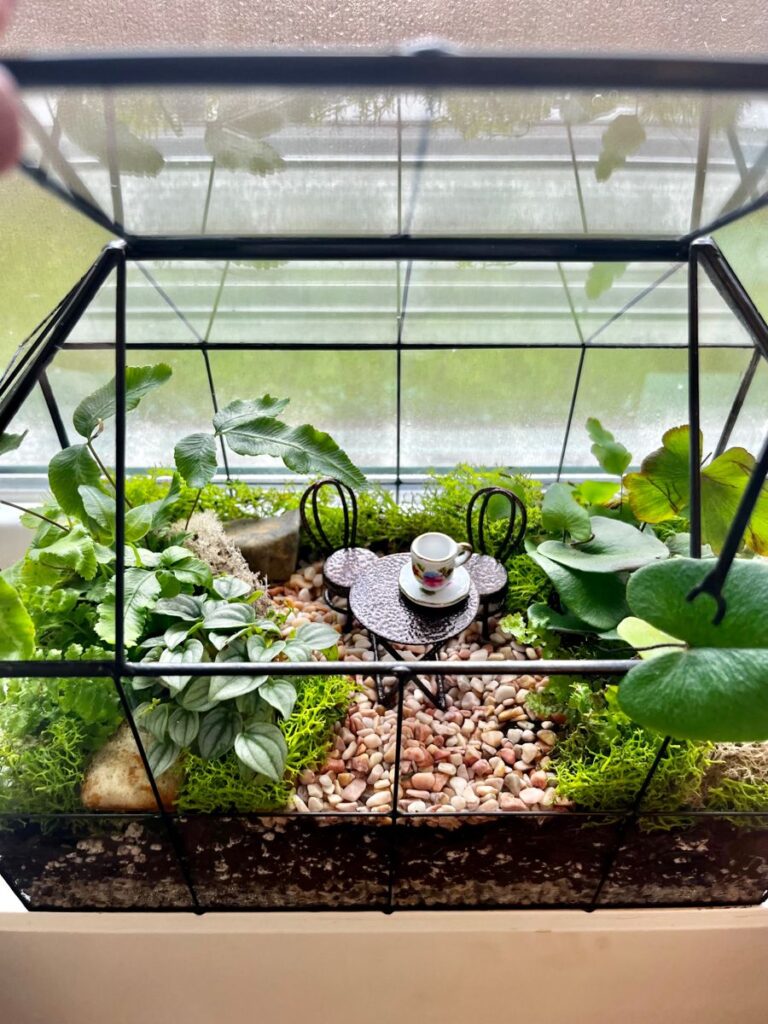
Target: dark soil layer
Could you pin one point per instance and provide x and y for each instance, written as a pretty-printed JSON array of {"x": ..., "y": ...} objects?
[
  {"x": 295, "y": 862},
  {"x": 93, "y": 862}
]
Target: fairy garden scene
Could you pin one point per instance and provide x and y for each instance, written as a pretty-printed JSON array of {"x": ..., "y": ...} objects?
[{"x": 213, "y": 624}]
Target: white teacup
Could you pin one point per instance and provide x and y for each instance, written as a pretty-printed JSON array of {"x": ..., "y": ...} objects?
[{"x": 434, "y": 556}]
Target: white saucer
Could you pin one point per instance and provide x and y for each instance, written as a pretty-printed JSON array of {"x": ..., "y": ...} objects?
[{"x": 448, "y": 595}]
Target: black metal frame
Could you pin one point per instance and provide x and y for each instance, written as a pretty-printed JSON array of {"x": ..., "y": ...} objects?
[{"x": 426, "y": 69}]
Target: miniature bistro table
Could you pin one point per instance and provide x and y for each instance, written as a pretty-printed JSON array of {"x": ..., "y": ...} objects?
[{"x": 389, "y": 618}]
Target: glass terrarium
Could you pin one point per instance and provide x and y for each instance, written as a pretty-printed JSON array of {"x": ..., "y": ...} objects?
[{"x": 541, "y": 277}]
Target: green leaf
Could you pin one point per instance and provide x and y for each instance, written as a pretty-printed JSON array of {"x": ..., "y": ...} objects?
[
  {"x": 704, "y": 694},
  {"x": 67, "y": 471},
  {"x": 100, "y": 508},
  {"x": 597, "y": 598},
  {"x": 623, "y": 136},
  {"x": 662, "y": 487},
  {"x": 218, "y": 729},
  {"x": 162, "y": 755},
  {"x": 239, "y": 413},
  {"x": 722, "y": 485},
  {"x": 153, "y": 718},
  {"x": 317, "y": 636},
  {"x": 596, "y": 492},
  {"x": 658, "y": 594},
  {"x": 614, "y": 547},
  {"x": 641, "y": 634},
  {"x": 194, "y": 697},
  {"x": 229, "y": 587},
  {"x": 139, "y": 381},
  {"x": 185, "y": 567},
  {"x": 17, "y": 631},
  {"x": 229, "y": 616},
  {"x": 141, "y": 591},
  {"x": 610, "y": 454},
  {"x": 280, "y": 693},
  {"x": 188, "y": 653},
  {"x": 184, "y": 607},
  {"x": 10, "y": 442},
  {"x": 258, "y": 650},
  {"x": 175, "y": 634},
  {"x": 561, "y": 513},
  {"x": 542, "y": 618},
  {"x": 138, "y": 522},
  {"x": 195, "y": 457},
  {"x": 163, "y": 509},
  {"x": 262, "y": 748},
  {"x": 183, "y": 726},
  {"x": 303, "y": 449},
  {"x": 74, "y": 551}
]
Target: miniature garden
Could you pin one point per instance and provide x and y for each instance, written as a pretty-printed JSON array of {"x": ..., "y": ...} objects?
[{"x": 401, "y": 656}]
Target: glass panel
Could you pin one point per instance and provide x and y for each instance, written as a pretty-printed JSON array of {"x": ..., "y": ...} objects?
[
  {"x": 752, "y": 424},
  {"x": 351, "y": 395},
  {"x": 41, "y": 442},
  {"x": 702, "y": 860},
  {"x": 745, "y": 246},
  {"x": 277, "y": 303},
  {"x": 168, "y": 303},
  {"x": 485, "y": 303},
  {"x": 629, "y": 303},
  {"x": 486, "y": 408},
  {"x": 46, "y": 247},
  {"x": 302, "y": 162},
  {"x": 181, "y": 406},
  {"x": 638, "y": 396}
]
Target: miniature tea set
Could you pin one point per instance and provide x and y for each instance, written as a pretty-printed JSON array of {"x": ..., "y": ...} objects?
[{"x": 434, "y": 577}]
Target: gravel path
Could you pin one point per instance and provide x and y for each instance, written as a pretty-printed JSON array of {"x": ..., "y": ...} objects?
[{"x": 486, "y": 752}]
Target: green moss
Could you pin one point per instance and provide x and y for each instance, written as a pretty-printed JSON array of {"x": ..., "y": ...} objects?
[
  {"x": 528, "y": 583},
  {"x": 604, "y": 757},
  {"x": 738, "y": 795},
  {"x": 383, "y": 525},
  {"x": 222, "y": 785},
  {"x": 49, "y": 729}
]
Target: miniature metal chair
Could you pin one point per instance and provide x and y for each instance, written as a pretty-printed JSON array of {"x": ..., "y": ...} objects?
[
  {"x": 486, "y": 566},
  {"x": 342, "y": 565}
]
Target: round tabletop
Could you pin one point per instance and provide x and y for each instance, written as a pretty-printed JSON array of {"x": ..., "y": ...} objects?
[{"x": 378, "y": 605}]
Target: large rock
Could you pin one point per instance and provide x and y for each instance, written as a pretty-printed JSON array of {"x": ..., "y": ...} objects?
[
  {"x": 270, "y": 546},
  {"x": 116, "y": 780}
]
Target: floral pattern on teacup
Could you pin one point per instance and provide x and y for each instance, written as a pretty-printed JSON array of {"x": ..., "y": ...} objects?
[{"x": 432, "y": 579}]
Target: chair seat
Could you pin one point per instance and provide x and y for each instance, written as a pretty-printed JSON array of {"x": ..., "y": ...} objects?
[
  {"x": 488, "y": 575},
  {"x": 342, "y": 568}
]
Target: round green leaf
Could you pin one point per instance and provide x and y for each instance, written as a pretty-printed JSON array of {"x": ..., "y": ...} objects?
[
  {"x": 195, "y": 696},
  {"x": 705, "y": 694},
  {"x": 614, "y": 547},
  {"x": 262, "y": 748},
  {"x": 162, "y": 755},
  {"x": 658, "y": 594},
  {"x": 541, "y": 617},
  {"x": 228, "y": 616},
  {"x": 641, "y": 634},
  {"x": 561, "y": 513},
  {"x": 597, "y": 598}
]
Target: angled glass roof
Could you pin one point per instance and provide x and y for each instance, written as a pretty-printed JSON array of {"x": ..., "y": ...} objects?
[{"x": 299, "y": 162}]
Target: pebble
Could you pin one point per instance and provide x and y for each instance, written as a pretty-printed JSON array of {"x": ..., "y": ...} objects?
[
  {"x": 531, "y": 797},
  {"x": 423, "y": 780},
  {"x": 354, "y": 790},
  {"x": 530, "y": 752}
]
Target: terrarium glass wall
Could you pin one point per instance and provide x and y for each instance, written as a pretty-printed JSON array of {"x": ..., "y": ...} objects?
[{"x": 436, "y": 276}]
